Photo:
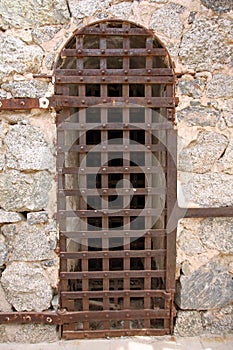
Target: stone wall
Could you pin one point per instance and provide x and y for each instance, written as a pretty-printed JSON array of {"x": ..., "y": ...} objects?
[{"x": 198, "y": 35}]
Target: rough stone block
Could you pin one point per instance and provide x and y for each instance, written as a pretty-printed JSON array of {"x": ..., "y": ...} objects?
[
  {"x": 18, "y": 57},
  {"x": 40, "y": 217},
  {"x": 3, "y": 250},
  {"x": 218, "y": 321},
  {"x": 86, "y": 8},
  {"x": 209, "y": 287},
  {"x": 220, "y": 86},
  {"x": 27, "y": 287},
  {"x": 217, "y": 233},
  {"x": 204, "y": 46},
  {"x": 201, "y": 154},
  {"x": 191, "y": 87},
  {"x": 188, "y": 324},
  {"x": 207, "y": 190},
  {"x": 4, "y": 305},
  {"x": 31, "y": 243},
  {"x": 218, "y": 5},
  {"x": 9, "y": 216},
  {"x": 27, "y": 13},
  {"x": 198, "y": 115},
  {"x": 26, "y": 149},
  {"x": 189, "y": 243},
  {"x": 24, "y": 192},
  {"x": 29, "y": 89},
  {"x": 28, "y": 333},
  {"x": 46, "y": 33}
]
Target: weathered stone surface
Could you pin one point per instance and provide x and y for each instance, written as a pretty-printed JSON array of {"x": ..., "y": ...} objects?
[
  {"x": 218, "y": 5},
  {"x": 121, "y": 10},
  {"x": 226, "y": 162},
  {"x": 211, "y": 286},
  {"x": 18, "y": 57},
  {"x": 27, "y": 149},
  {"x": 28, "y": 333},
  {"x": 191, "y": 87},
  {"x": 31, "y": 243},
  {"x": 3, "y": 250},
  {"x": 84, "y": 8},
  {"x": 24, "y": 192},
  {"x": 40, "y": 217},
  {"x": 218, "y": 321},
  {"x": 189, "y": 243},
  {"x": 221, "y": 85},
  {"x": 26, "y": 286},
  {"x": 9, "y": 216},
  {"x": 198, "y": 115},
  {"x": 226, "y": 107},
  {"x": 167, "y": 21},
  {"x": 4, "y": 305},
  {"x": 46, "y": 33},
  {"x": 27, "y": 89},
  {"x": 188, "y": 324},
  {"x": 204, "y": 46},
  {"x": 30, "y": 13},
  {"x": 201, "y": 154},
  {"x": 217, "y": 233},
  {"x": 210, "y": 189}
]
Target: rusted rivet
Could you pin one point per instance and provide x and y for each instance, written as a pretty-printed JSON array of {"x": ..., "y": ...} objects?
[
  {"x": 103, "y": 78},
  {"x": 79, "y": 72},
  {"x": 83, "y": 101},
  {"x": 102, "y": 51},
  {"x": 125, "y": 51},
  {"x": 149, "y": 102},
  {"x": 148, "y": 79},
  {"x": 104, "y": 100},
  {"x": 79, "y": 51},
  {"x": 81, "y": 79},
  {"x": 126, "y": 79},
  {"x": 126, "y": 72},
  {"x": 149, "y": 51},
  {"x": 49, "y": 319},
  {"x": 22, "y": 103},
  {"x": 103, "y": 71}
]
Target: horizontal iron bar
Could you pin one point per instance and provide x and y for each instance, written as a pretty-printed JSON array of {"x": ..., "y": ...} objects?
[
  {"x": 114, "y": 72},
  {"x": 74, "y": 101},
  {"x": 111, "y": 191},
  {"x": 115, "y": 233},
  {"x": 208, "y": 212},
  {"x": 30, "y": 317},
  {"x": 101, "y": 79},
  {"x": 111, "y": 212},
  {"x": 113, "y": 52},
  {"x": 112, "y": 274},
  {"x": 114, "y": 254},
  {"x": 92, "y": 334},
  {"x": 19, "y": 103},
  {"x": 117, "y": 294},
  {"x": 111, "y": 170},
  {"x": 104, "y": 147},
  {"x": 66, "y": 125},
  {"x": 72, "y": 317},
  {"x": 113, "y": 31}
]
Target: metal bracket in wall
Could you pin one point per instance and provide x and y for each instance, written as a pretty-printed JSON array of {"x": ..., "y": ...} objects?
[{"x": 25, "y": 103}]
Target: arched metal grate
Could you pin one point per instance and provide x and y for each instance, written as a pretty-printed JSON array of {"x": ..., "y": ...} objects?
[{"x": 116, "y": 182}]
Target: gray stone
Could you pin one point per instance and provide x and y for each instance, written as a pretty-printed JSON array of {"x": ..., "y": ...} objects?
[
  {"x": 207, "y": 190},
  {"x": 9, "y": 216},
  {"x": 3, "y": 250},
  {"x": 226, "y": 161},
  {"x": 31, "y": 243},
  {"x": 50, "y": 60},
  {"x": 218, "y": 5},
  {"x": 85, "y": 8},
  {"x": 188, "y": 324},
  {"x": 167, "y": 21},
  {"x": 221, "y": 85},
  {"x": 211, "y": 286},
  {"x": 28, "y": 333},
  {"x": 189, "y": 243},
  {"x": 201, "y": 154},
  {"x": 31, "y": 13},
  {"x": 205, "y": 45},
  {"x": 40, "y": 217},
  {"x": 24, "y": 192},
  {"x": 121, "y": 10},
  {"x": 192, "y": 88},
  {"x": 4, "y": 305},
  {"x": 27, "y": 89},
  {"x": 226, "y": 111},
  {"x": 46, "y": 33},
  {"x": 27, "y": 287},
  {"x": 198, "y": 115},
  {"x": 26, "y": 149},
  {"x": 217, "y": 233},
  {"x": 218, "y": 321},
  {"x": 18, "y": 57}
]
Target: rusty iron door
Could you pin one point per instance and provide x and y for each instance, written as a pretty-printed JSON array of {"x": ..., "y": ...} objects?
[{"x": 116, "y": 182}]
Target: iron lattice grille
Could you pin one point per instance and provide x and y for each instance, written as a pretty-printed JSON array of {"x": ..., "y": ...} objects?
[{"x": 116, "y": 157}]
